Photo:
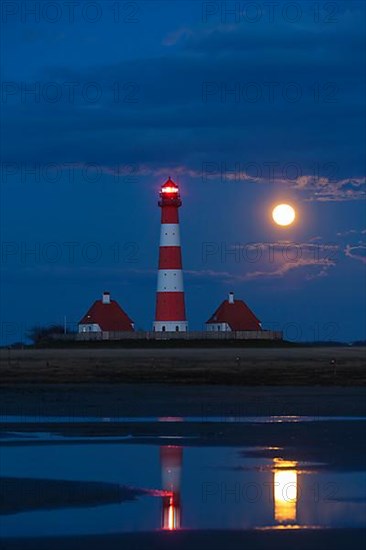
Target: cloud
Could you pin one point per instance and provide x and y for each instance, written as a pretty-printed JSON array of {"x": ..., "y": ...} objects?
[
  {"x": 346, "y": 233},
  {"x": 172, "y": 123},
  {"x": 276, "y": 260},
  {"x": 312, "y": 187},
  {"x": 356, "y": 252},
  {"x": 287, "y": 267},
  {"x": 210, "y": 274},
  {"x": 324, "y": 189},
  {"x": 315, "y": 239},
  {"x": 269, "y": 31},
  {"x": 177, "y": 36},
  {"x": 286, "y": 257}
]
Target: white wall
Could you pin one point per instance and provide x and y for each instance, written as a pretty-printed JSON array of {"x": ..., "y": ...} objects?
[
  {"x": 170, "y": 326},
  {"x": 218, "y": 327},
  {"x": 91, "y": 327}
]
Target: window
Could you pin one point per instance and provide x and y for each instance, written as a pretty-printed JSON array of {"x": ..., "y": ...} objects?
[
  {"x": 177, "y": 329},
  {"x": 163, "y": 329}
]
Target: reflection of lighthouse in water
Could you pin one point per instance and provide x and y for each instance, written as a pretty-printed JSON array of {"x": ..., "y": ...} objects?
[
  {"x": 171, "y": 468},
  {"x": 285, "y": 489}
]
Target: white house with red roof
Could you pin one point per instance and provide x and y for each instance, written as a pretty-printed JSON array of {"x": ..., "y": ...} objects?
[
  {"x": 233, "y": 315},
  {"x": 106, "y": 315}
]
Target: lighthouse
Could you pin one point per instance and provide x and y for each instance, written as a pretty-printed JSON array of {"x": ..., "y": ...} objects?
[{"x": 170, "y": 313}]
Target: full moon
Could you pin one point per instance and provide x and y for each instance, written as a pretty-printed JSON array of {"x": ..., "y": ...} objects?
[{"x": 283, "y": 214}]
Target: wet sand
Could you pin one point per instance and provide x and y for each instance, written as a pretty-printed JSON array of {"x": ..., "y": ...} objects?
[
  {"x": 322, "y": 366},
  {"x": 223, "y": 416},
  {"x": 283, "y": 539},
  {"x": 317, "y": 443},
  {"x": 24, "y": 495},
  {"x": 162, "y": 400}
]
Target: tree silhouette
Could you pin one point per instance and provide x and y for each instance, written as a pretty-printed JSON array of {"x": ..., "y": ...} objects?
[{"x": 39, "y": 334}]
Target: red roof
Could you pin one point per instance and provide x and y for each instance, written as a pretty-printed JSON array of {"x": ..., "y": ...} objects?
[
  {"x": 237, "y": 315},
  {"x": 110, "y": 317}
]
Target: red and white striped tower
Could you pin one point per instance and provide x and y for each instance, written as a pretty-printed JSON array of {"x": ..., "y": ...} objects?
[{"x": 170, "y": 313}]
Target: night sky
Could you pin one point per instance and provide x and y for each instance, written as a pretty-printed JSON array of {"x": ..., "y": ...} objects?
[{"x": 242, "y": 109}]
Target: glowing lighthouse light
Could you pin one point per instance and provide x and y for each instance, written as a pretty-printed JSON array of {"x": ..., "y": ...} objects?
[
  {"x": 169, "y": 190},
  {"x": 170, "y": 313}
]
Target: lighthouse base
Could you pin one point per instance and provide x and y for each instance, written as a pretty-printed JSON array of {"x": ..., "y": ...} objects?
[{"x": 170, "y": 326}]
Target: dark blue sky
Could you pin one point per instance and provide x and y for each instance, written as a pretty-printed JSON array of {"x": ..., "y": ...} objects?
[{"x": 242, "y": 109}]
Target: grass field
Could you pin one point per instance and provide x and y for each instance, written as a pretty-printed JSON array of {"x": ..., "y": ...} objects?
[{"x": 339, "y": 366}]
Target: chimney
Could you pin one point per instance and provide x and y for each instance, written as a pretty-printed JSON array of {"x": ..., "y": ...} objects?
[
  {"x": 231, "y": 297},
  {"x": 106, "y": 298}
]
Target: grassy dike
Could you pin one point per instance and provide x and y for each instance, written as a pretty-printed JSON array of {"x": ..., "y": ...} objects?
[{"x": 239, "y": 365}]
